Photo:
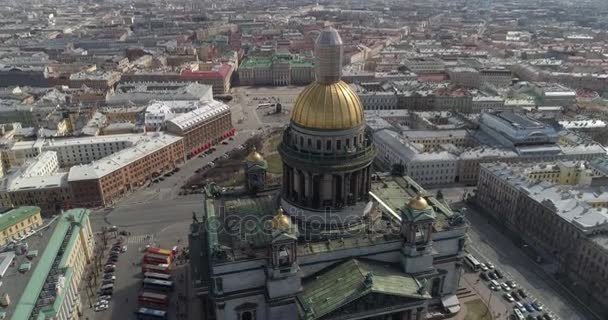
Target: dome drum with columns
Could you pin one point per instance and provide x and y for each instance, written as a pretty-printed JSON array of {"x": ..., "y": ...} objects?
[{"x": 326, "y": 150}]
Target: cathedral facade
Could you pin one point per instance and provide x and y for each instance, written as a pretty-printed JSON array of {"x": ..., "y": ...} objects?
[{"x": 334, "y": 241}]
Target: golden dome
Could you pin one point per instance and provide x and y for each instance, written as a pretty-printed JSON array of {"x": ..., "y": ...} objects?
[
  {"x": 418, "y": 203},
  {"x": 255, "y": 156},
  {"x": 328, "y": 106},
  {"x": 281, "y": 221}
]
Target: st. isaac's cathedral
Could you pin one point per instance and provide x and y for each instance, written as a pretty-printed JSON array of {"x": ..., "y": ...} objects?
[{"x": 334, "y": 241}]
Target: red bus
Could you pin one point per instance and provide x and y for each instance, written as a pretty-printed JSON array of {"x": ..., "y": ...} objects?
[
  {"x": 164, "y": 252},
  {"x": 155, "y": 300},
  {"x": 152, "y": 258},
  {"x": 159, "y": 276},
  {"x": 160, "y": 268}
]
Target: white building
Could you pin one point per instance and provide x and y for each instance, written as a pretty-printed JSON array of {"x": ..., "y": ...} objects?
[
  {"x": 159, "y": 112},
  {"x": 428, "y": 168}
]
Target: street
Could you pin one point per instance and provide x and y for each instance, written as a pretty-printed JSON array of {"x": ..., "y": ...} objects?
[
  {"x": 488, "y": 244},
  {"x": 157, "y": 215}
]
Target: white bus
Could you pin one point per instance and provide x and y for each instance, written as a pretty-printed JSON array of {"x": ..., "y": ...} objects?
[{"x": 473, "y": 263}]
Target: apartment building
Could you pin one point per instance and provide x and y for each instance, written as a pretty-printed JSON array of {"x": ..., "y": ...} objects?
[{"x": 18, "y": 222}]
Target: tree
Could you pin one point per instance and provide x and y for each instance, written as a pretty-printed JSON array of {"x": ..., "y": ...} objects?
[
  {"x": 397, "y": 169},
  {"x": 439, "y": 195}
]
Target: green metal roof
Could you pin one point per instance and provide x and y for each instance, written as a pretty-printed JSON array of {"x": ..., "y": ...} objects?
[
  {"x": 17, "y": 215},
  {"x": 267, "y": 62},
  {"x": 413, "y": 215},
  {"x": 350, "y": 281},
  {"x": 30, "y": 295}
]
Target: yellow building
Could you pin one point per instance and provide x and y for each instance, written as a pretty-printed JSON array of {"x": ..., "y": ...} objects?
[
  {"x": 59, "y": 271},
  {"x": 562, "y": 173},
  {"x": 18, "y": 222},
  {"x": 64, "y": 127}
]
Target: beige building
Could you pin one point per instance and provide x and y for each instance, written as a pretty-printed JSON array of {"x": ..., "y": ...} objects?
[
  {"x": 565, "y": 220},
  {"x": 102, "y": 182},
  {"x": 203, "y": 127},
  {"x": 18, "y": 222}
]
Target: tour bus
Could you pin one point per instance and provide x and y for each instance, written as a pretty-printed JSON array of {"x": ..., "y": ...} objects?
[
  {"x": 158, "y": 285},
  {"x": 156, "y": 268},
  {"x": 473, "y": 263},
  {"x": 151, "y": 314},
  {"x": 154, "y": 300},
  {"x": 161, "y": 251},
  {"x": 153, "y": 258},
  {"x": 159, "y": 276}
]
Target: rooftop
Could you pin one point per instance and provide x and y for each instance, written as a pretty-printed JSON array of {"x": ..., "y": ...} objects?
[
  {"x": 566, "y": 201},
  {"x": 206, "y": 110},
  {"x": 48, "y": 272},
  {"x": 145, "y": 145},
  {"x": 14, "y": 282},
  {"x": 16, "y": 215}
]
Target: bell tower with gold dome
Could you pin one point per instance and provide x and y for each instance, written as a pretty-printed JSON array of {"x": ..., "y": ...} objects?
[{"x": 326, "y": 150}]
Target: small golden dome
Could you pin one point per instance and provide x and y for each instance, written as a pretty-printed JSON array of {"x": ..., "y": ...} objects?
[
  {"x": 328, "y": 106},
  {"x": 281, "y": 221},
  {"x": 255, "y": 156},
  {"x": 418, "y": 203}
]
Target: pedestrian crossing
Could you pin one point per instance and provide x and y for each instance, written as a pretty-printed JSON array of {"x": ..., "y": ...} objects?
[{"x": 141, "y": 239}]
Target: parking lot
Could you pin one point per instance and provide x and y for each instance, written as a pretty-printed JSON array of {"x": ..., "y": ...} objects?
[{"x": 497, "y": 284}]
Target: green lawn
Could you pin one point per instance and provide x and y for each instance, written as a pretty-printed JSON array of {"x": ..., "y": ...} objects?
[
  {"x": 476, "y": 311},
  {"x": 275, "y": 165}
]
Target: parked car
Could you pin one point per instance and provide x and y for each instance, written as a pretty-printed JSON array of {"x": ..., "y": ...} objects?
[
  {"x": 548, "y": 316},
  {"x": 106, "y": 297},
  {"x": 498, "y": 273},
  {"x": 529, "y": 307},
  {"x": 520, "y": 307},
  {"x": 511, "y": 284},
  {"x": 494, "y": 285},
  {"x": 516, "y": 296},
  {"x": 109, "y": 276},
  {"x": 505, "y": 286},
  {"x": 508, "y": 297},
  {"x": 522, "y": 293},
  {"x": 489, "y": 265},
  {"x": 537, "y": 306},
  {"x": 484, "y": 276},
  {"x": 492, "y": 276},
  {"x": 483, "y": 267}
]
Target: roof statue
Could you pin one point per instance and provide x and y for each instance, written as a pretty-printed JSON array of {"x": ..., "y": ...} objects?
[
  {"x": 255, "y": 156},
  {"x": 281, "y": 221},
  {"x": 418, "y": 203}
]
